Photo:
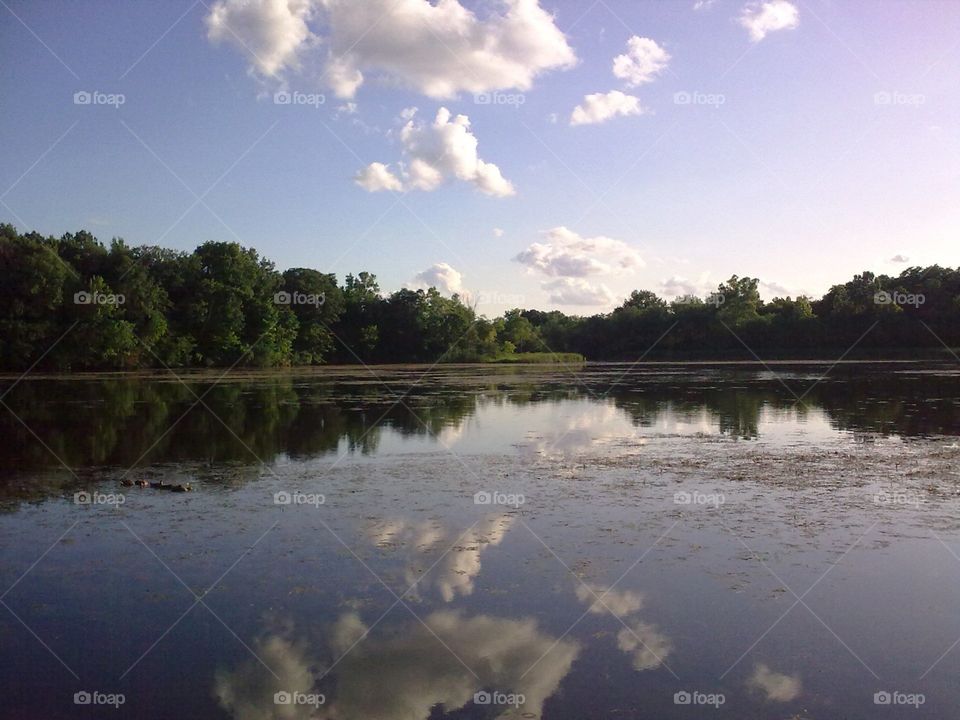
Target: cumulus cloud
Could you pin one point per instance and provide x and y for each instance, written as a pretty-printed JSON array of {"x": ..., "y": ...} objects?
[
  {"x": 642, "y": 62},
  {"x": 600, "y": 107},
  {"x": 436, "y": 48},
  {"x": 576, "y": 291},
  {"x": 377, "y": 176},
  {"x": 443, "y": 277},
  {"x": 679, "y": 286},
  {"x": 567, "y": 258},
  {"x": 762, "y": 18},
  {"x": 900, "y": 259},
  {"x": 498, "y": 232},
  {"x": 433, "y": 153},
  {"x": 648, "y": 646},
  {"x": 602, "y": 600},
  {"x": 272, "y": 33},
  {"x": 402, "y": 675},
  {"x": 456, "y": 573},
  {"x": 247, "y": 691},
  {"x": 567, "y": 254},
  {"x": 772, "y": 289},
  {"x": 775, "y": 687}
]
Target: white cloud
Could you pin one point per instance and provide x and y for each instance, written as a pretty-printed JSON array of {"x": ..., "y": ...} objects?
[
  {"x": 761, "y": 18},
  {"x": 377, "y": 176},
  {"x": 246, "y": 693},
  {"x": 646, "y": 643},
  {"x": 458, "y": 569},
  {"x": 679, "y": 286},
  {"x": 576, "y": 291},
  {"x": 567, "y": 254},
  {"x": 600, "y": 107},
  {"x": 642, "y": 62},
  {"x": 603, "y": 600},
  {"x": 703, "y": 4},
  {"x": 772, "y": 289},
  {"x": 436, "y": 48},
  {"x": 349, "y": 108},
  {"x": 407, "y": 113},
  {"x": 568, "y": 258},
  {"x": 498, "y": 232},
  {"x": 272, "y": 33},
  {"x": 899, "y": 259},
  {"x": 443, "y": 277},
  {"x": 775, "y": 687},
  {"x": 400, "y": 674},
  {"x": 444, "y": 149}
]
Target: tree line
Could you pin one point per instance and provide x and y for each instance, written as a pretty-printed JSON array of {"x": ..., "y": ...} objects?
[{"x": 73, "y": 303}]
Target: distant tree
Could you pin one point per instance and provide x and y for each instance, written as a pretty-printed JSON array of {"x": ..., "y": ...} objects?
[{"x": 317, "y": 302}]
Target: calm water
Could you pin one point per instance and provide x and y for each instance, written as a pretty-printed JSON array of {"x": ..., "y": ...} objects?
[{"x": 661, "y": 542}]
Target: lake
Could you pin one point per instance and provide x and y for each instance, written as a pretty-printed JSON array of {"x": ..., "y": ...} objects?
[{"x": 606, "y": 541}]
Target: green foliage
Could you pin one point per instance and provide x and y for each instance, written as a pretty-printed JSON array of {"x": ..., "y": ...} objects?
[{"x": 71, "y": 303}]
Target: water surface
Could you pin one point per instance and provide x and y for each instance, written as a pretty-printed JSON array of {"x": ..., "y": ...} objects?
[{"x": 597, "y": 542}]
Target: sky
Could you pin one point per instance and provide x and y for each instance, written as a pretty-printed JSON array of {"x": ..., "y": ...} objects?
[{"x": 554, "y": 154}]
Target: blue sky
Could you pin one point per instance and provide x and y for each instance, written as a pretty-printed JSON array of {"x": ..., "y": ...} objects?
[{"x": 799, "y": 142}]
